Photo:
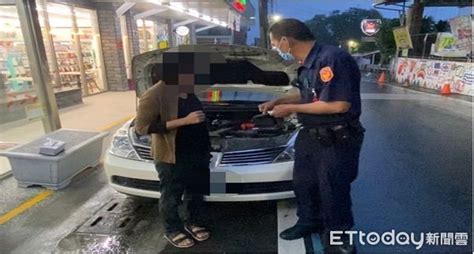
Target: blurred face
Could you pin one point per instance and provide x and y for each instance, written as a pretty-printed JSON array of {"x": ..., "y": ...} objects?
[
  {"x": 186, "y": 83},
  {"x": 282, "y": 44}
]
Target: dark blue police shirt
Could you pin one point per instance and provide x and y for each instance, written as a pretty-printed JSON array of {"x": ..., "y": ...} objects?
[{"x": 344, "y": 85}]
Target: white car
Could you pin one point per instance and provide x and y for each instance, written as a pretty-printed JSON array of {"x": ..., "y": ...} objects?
[{"x": 252, "y": 156}]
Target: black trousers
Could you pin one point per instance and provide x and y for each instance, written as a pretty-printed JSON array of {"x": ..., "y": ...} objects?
[
  {"x": 322, "y": 178},
  {"x": 182, "y": 186}
]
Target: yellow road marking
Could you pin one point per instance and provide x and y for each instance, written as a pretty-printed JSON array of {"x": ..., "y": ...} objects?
[
  {"x": 113, "y": 124},
  {"x": 46, "y": 193},
  {"x": 25, "y": 206}
]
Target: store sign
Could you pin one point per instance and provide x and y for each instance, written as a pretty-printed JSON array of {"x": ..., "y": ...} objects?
[
  {"x": 402, "y": 37},
  {"x": 445, "y": 46},
  {"x": 240, "y": 5},
  {"x": 461, "y": 28},
  {"x": 182, "y": 30},
  {"x": 370, "y": 26},
  {"x": 233, "y": 21}
]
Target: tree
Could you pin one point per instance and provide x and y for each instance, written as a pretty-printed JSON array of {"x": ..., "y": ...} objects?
[
  {"x": 443, "y": 26},
  {"x": 320, "y": 28},
  {"x": 385, "y": 41},
  {"x": 340, "y": 27}
]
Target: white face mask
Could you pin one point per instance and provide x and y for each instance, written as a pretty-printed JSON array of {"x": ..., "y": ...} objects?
[{"x": 286, "y": 56}]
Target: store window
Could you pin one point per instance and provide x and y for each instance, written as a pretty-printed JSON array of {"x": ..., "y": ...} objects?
[
  {"x": 162, "y": 35},
  {"x": 64, "y": 47},
  {"x": 20, "y": 109},
  {"x": 147, "y": 35},
  {"x": 73, "y": 49},
  {"x": 72, "y": 44},
  {"x": 91, "y": 50}
]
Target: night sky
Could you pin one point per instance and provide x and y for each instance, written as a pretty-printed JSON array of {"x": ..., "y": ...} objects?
[{"x": 306, "y": 9}]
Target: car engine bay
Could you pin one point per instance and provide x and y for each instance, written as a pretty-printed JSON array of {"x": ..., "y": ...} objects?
[{"x": 245, "y": 130}]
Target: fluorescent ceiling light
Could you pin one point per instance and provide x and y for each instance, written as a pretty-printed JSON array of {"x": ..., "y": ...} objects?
[
  {"x": 194, "y": 13},
  {"x": 177, "y": 6},
  {"x": 206, "y": 17}
]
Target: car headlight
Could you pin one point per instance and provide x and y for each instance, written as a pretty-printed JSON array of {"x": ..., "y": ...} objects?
[
  {"x": 121, "y": 146},
  {"x": 289, "y": 153}
]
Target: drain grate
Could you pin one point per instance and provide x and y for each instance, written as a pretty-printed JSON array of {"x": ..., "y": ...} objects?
[
  {"x": 104, "y": 232},
  {"x": 116, "y": 217}
]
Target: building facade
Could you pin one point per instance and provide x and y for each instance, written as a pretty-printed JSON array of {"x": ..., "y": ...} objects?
[{"x": 89, "y": 45}]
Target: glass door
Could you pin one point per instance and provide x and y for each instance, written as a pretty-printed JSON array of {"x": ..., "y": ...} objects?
[{"x": 91, "y": 50}]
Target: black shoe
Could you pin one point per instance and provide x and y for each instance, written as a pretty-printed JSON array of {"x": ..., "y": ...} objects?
[{"x": 297, "y": 231}]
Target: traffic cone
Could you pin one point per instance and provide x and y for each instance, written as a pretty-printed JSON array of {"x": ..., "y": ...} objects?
[
  {"x": 382, "y": 78},
  {"x": 446, "y": 89}
]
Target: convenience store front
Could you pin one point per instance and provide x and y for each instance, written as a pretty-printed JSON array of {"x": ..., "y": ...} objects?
[
  {"x": 73, "y": 48},
  {"x": 88, "y": 46}
]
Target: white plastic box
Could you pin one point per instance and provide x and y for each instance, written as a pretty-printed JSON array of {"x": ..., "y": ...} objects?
[{"x": 83, "y": 150}]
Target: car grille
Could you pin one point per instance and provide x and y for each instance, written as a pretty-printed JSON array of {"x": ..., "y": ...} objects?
[
  {"x": 237, "y": 158},
  {"x": 233, "y": 188},
  {"x": 144, "y": 152},
  {"x": 136, "y": 183},
  {"x": 249, "y": 157}
]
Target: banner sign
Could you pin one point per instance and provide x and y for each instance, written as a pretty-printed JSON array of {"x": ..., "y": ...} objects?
[
  {"x": 461, "y": 27},
  {"x": 233, "y": 21},
  {"x": 445, "y": 46},
  {"x": 402, "y": 37}
]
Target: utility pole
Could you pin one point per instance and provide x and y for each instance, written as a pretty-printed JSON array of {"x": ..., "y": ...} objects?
[
  {"x": 415, "y": 17},
  {"x": 263, "y": 18},
  {"x": 414, "y": 23}
]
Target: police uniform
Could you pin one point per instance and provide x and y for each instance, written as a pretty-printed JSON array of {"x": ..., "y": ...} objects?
[{"x": 328, "y": 146}]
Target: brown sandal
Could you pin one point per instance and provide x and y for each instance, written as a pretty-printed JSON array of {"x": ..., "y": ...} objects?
[
  {"x": 200, "y": 234},
  {"x": 177, "y": 239}
]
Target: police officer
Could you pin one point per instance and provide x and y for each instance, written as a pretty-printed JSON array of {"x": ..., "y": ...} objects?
[{"x": 328, "y": 145}]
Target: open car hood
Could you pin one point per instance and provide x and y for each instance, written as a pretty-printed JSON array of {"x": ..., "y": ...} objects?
[{"x": 268, "y": 68}]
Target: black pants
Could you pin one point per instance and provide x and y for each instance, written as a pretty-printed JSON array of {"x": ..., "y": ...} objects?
[
  {"x": 182, "y": 186},
  {"x": 322, "y": 178}
]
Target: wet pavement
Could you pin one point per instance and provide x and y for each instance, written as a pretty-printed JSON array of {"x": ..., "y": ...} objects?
[{"x": 415, "y": 176}]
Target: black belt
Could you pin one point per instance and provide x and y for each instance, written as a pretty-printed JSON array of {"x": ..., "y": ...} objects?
[{"x": 334, "y": 133}]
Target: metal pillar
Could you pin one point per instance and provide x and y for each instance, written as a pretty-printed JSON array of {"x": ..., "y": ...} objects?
[
  {"x": 192, "y": 33},
  {"x": 80, "y": 58},
  {"x": 263, "y": 17},
  {"x": 50, "y": 44},
  {"x": 31, "y": 30},
  {"x": 3, "y": 90},
  {"x": 100, "y": 54},
  {"x": 171, "y": 40},
  {"x": 126, "y": 46},
  {"x": 154, "y": 36},
  {"x": 232, "y": 36},
  {"x": 145, "y": 36}
]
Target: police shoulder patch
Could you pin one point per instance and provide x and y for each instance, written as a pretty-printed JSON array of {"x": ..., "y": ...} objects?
[{"x": 326, "y": 74}]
